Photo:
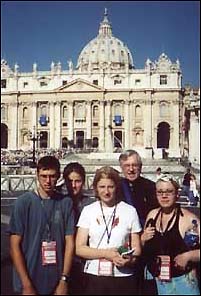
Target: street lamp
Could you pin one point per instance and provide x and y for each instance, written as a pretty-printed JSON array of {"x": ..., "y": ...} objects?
[{"x": 34, "y": 137}]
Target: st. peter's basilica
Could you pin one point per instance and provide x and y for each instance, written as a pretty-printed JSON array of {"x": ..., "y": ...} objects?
[{"x": 103, "y": 103}]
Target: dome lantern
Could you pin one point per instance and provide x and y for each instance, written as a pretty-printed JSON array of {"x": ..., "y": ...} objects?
[{"x": 105, "y": 28}]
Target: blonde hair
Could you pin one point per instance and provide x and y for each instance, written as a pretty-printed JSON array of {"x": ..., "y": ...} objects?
[
  {"x": 169, "y": 178},
  {"x": 108, "y": 172}
]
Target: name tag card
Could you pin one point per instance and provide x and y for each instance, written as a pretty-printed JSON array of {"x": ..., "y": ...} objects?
[
  {"x": 165, "y": 269},
  {"x": 105, "y": 267},
  {"x": 49, "y": 253}
]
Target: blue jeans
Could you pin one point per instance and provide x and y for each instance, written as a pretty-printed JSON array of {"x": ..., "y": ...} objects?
[
  {"x": 185, "y": 190},
  {"x": 192, "y": 198}
]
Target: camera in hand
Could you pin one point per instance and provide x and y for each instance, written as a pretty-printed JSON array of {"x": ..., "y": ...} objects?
[{"x": 150, "y": 223}]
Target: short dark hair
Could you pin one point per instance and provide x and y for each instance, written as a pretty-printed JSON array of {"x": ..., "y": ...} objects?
[
  {"x": 74, "y": 167},
  {"x": 48, "y": 162}
]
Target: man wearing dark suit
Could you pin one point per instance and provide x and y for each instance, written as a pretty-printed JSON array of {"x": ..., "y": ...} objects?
[{"x": 137, "y": 190}]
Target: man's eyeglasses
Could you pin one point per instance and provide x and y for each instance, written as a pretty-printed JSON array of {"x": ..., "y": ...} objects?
[
  {"x": 133, "y": 165},
  {"x": 167, "y": 192}
]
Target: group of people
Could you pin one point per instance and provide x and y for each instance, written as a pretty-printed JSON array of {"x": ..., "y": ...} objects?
[{"x": 129, "y": 238}]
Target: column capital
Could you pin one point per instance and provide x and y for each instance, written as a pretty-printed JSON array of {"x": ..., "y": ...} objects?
[
  {"x": 88, "y": 103},
  {"x": 52, "y": 103},
  {"x": 109, "y": 103},
  {"x": 102, "y": 102},
  {"x": 70, "y": 104},
  {"x": 127, "y": 102}
]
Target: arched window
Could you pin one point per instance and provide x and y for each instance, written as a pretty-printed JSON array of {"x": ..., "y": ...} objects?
[
  {"x": 138, "y": 138},
  {"x": 138, "y": 111},
  {"x": 80, "y": 111},
  {"x": 95, "y": 142},
  {"x": 64, "y": 142},
  {"x": 95, "y": 111},
  {"x": 3, "y": 113},
  {"x": 43, "y": 110},
  {"x": 24, "y": 139},
  {"x": 65, "y": 115},
  {"x": 117, "y": 109},
  {"x": 25, "y": 113},
  {"x": 163, "y": 109}
]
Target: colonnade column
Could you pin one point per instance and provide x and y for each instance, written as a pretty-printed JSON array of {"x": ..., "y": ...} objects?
[
  {"x": 58, "y": 125},
  {"x": 13, "y": 137},
  {"x": 34, "y": 122},
  {"x": 109, "y": 136},
  {"x": 52, "y": 125},
  {"x": 102, "y": 126},
  {"x": 33, "y": 115},
  {"x": 70, "y": 121},
  {"x": 148, "y": 122},
  {"x": 174, "y": 136},
  {"x": 127, "y": 124},
  {"x": 88, "y": 121}
]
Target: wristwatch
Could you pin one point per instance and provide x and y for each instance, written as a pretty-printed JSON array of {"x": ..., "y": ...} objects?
[{"x": 65, "y": 278}]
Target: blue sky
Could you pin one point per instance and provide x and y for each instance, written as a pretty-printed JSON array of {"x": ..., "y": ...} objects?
[{"x": 46, "y": 31}]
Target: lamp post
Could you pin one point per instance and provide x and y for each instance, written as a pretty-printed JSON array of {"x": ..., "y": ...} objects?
[{"x": 34, "y": 137}]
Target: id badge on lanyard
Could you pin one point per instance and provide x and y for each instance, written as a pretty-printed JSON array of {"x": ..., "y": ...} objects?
[
  {"x": 105, "y": 267},
  {"x": 49, "y": 252},
  {"x": 165, "y": 274}
]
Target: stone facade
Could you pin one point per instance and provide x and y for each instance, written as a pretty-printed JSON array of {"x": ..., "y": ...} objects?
[{"x": 103, "y": 103}]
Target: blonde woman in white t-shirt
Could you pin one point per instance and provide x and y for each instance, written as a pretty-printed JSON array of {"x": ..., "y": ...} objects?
[{"x": 104, "y": 227}]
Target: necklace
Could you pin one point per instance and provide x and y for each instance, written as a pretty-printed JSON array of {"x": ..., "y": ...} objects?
[
  {"x": 112, "y": 217},
  {"x": 161, "y": 229}
]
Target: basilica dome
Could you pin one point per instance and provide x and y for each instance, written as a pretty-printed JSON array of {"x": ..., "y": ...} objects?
[{"x": 105, "y": 51}]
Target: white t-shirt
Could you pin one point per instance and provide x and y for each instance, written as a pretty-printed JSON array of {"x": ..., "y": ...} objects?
[{"x": 126, "y": 221}]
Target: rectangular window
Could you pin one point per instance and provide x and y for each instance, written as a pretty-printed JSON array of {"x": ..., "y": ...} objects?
[
  {"x": 43, "y": 83},
  {"x": 65, "y": 124},
  {"x": 95, "y": 82},
  {"x": 117, "y": 82},
  {"x": 95, "y": 123},
  {"x": 3, "y": 83},
  {"x": 137, "y": 81},
  {"x": 163, "y": 79},
  {"x": 64, "y": 82},
  {"x": 25, "y": 84}
]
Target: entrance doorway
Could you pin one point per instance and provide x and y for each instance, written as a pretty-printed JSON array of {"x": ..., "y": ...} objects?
[
  {"x": 79, "y": 139},
  {"x": 163, "y": 135},
  {"x": 4, "y": 136},
  {"x": 118, "y": 139}
]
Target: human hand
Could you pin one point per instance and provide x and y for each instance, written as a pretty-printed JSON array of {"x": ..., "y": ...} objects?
[
  {"x": 181, "y": 261},
  {"x": 148, "y": 233},
  {"x": 29, "y": 290},
  {"x": 61, "y": 289},
  {"x": 111, "y": 253}
]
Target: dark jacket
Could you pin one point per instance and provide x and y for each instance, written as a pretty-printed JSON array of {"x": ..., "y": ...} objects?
[{"x": 141, "y": 193}]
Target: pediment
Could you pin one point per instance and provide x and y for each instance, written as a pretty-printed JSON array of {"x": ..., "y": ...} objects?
[{"x": 80, "y": 85}]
